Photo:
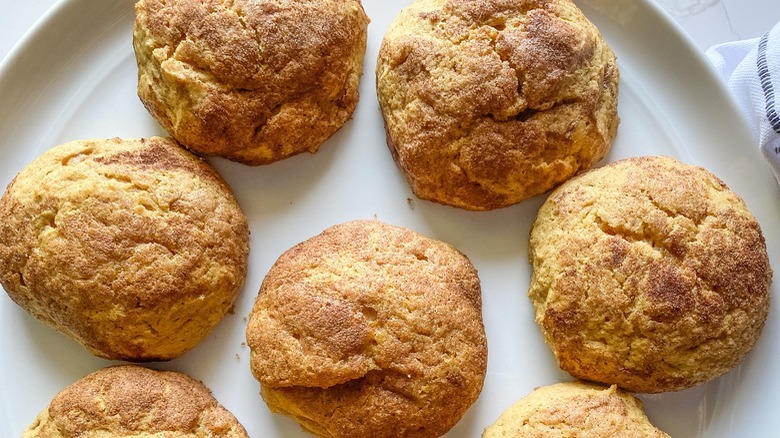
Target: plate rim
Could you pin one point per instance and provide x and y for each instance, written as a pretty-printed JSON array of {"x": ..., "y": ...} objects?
[{"x": 64, "y": 8}]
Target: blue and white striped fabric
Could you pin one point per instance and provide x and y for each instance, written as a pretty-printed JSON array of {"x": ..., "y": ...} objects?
[{"x": 751, "y": 69}]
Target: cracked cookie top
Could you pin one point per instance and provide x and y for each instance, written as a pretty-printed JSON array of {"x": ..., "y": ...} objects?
[
  {"x": 489, "y": 102},
  {"x": 370, "y": 330},
  {"x": 252, "y": 81},
  {"x": 132, "y": 401},
  {"x": 575, "y": 409},
  {"x": 650, "y": 274},
  {"x": 134, "y": 248}
]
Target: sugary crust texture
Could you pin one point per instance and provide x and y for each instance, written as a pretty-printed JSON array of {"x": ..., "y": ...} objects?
[
  {"x": 370, "y": 330},
  {"x": 134, "y": 248},
  {"x": 132, "y": 401},
  {"x": 574, "y": 409},
  {"x": 252, "y": 81},
  {"x": 650, "y": 274},
  {"x": 489, "y": 102}
]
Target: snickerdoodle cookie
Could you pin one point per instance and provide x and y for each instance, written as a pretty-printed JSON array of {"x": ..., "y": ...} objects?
[
  {"x": 134, "y": 248},
  {"x": 132, "y": 401},
  {"x": 575, "y": 409},
  {"x": 372, "y": 330},
  {"x": 254, "y": 81},
  {"x": 487, "y": 103},
  {"x": 650, "y": 274}
]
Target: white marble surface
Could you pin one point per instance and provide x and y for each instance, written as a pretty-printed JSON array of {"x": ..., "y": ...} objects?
[
  {"x": 711, "y": 22},
  {"x": 708, "y": 22}
]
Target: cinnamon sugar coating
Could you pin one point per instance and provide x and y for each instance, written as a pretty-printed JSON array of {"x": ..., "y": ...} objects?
[
  {"x": 252, "y": 81},
  {"x": 489, "y": 102},
  {"x": 650, "y": 274},
  {"x": 131, "y": 401},
  {"x": 370, "y": 330},
  {"x": 134, "y": 248},
  {"x": 575, "y": 409}
]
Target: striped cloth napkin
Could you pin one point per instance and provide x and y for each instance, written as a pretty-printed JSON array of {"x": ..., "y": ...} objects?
[{"x": 751, "y": 68}]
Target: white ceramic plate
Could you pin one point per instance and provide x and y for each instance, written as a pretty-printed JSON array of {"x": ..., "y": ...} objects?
[{"x": 74, "y": 76}]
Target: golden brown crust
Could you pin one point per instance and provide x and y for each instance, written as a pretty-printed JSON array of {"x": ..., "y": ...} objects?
[
  {"x": 650, "y": 274},
  {"x": 134, "y": 248},
  {"x": 370, "y": 330},
  {"x": 489, "y": 102},
  {"x": 253, "y": 81},
  {"x": 574, "y": 409},
  {"x": 132, "y": 401}
]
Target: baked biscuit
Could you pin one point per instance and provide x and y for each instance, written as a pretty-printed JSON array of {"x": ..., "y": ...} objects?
[
  {"x": 370, "y": 330},
  {"x": 134, "y": 248},
  {"x": 254, "y": 81},
  {"x": 650, "y": 274},
  {"x": 487, "y": 103},
  {"x": 575, "y": 409},
  {"x": 132, "y": 401}
]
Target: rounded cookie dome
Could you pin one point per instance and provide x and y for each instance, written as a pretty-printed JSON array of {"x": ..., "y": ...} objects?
[
  {"x": 132, "y": 401},
  {"x": 252, "y": 81},
  {"x": 134, "y": 248},
  {"x": 650, "y": 274},
  {"x": 487, "y": 103},
  {"x": 370, "y": 330},
  {"x": 575, "y": 409}
]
